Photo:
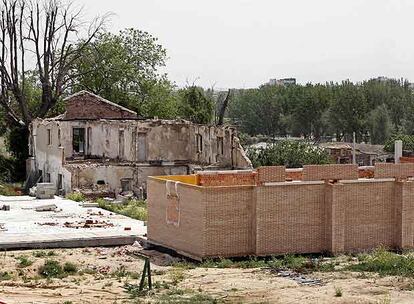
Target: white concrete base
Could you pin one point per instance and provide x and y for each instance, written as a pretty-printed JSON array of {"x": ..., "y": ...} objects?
[{"x": 24, "y": 230}]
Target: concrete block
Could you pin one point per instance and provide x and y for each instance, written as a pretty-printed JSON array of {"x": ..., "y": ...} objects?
[{"x": 45, "y": 190}]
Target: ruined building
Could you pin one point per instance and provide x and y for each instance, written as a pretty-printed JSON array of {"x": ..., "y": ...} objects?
[{"x": 100, "y": 147}]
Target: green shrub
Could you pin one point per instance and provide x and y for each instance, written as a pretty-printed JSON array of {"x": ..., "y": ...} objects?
[
  {"x": 408, "y": 142},
  {"x": 384, "y": 263},
  {"x": 5, "y": 276},
  {"x": 289, "y": 153},
  {"x": 24, "y": 261},
  {"x": 42, "y": 253},
  {"x": 10, "y": 169},
  {"x": 70, "y": 268},
  {"x": 8, "y": 190},
  {"x": 132, "y": 208},
  {"x": 51, "y": 269},
  {"x": 76, "y": 196}
]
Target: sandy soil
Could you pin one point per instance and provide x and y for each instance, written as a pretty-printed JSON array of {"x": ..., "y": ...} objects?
[{"x": 103, "y": 275}]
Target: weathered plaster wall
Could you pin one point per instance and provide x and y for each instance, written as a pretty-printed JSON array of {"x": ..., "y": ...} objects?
[
  {"x": 129, "y": 146},
  {"x": 159, "y": 140},
  {"x": 49, "y": 155}
]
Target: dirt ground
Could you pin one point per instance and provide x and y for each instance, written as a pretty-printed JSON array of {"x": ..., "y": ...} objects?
[{"x": 102, "y": 274}]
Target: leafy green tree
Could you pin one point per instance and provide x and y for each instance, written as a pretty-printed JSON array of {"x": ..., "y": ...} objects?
[
  {"x": 124, "y": 69},
  {"x": 309, "y": 104},
  {"x": 195, "y": 105},
  {"x": 348, "y": 112},
  {"x": 292, "y": 154},
  {"x": 259, "y": 111},
  {"x": 408, "y": 142},
  {"x": 380, "y": 125}
]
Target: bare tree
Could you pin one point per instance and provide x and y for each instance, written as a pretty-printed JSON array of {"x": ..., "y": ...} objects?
[
  {"x": 45, "y": 37},
  {"x": 223, "y": 107}
]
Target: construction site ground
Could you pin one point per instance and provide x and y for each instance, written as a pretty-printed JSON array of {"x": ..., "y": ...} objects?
[
  {"x": 46, "y": 223},
  {"x": 109, "y": 275}
]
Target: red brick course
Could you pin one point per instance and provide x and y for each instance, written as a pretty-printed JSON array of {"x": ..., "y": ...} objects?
[
  {"x": 389, "y": 170},
  {"x": 271, "y": 174},
  {"x": 85, "y": 105},
  {"x": 329, "y": 172}
]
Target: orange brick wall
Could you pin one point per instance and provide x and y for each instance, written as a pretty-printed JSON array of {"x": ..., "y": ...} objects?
[
  {"x": 406, "y": 159},
  {"x": 228, "y": 222},
  {"x": 388, "y": 170},
  {"x": 271, "y": 174},
  {"x": 226, "y": 178},
  {"x": 329, "y": 172},
  {"x": 369, "y": 215},
  {"x": 290, "y": 218},
  {"x": 187, "y": 236},
  {"x": 285, "y": 217}
]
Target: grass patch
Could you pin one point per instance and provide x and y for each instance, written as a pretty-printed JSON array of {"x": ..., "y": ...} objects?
[
  {"x": 76, "y": 196},
  {"x": 42, "y": 253},
  {"x": 171, "y": 296},
  {"x": 290, "y": 261},
  {"x": 338, "y": 292},
  {"x": 9, "y": 190},
  {"x": 5, "y": 276},
  {"x": 70, "y": 268},
  {"x": 53, "y": 269},
  {"x": 184, "y": 297},
  {"x": 24, "y": 261},
  {"x": 176, "y": 276},
  {"x": 385, "y": 263},
  {"x": 132, "y": 208}
]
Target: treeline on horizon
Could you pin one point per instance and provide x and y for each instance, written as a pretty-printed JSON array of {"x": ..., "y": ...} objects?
[{"x": 375, "y": 110}]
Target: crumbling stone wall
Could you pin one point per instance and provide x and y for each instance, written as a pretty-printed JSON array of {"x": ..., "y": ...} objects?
[{"x": 179, "y": 146}]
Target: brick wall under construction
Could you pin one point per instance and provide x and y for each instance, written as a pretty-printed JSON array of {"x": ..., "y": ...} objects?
[{"x": 339, "y": 213}]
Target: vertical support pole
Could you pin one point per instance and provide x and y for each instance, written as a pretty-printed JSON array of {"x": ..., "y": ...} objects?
[
  {"x": 398, "y": 148},
  {"x": 146, "y": 272},
  {"x": 353, "y": 149},
  {"x": 404, "y": 214},
  {"x": 335, "y": 217},
  {"x": 149, "y": 274},
  {"x": 141, "y": 284}
]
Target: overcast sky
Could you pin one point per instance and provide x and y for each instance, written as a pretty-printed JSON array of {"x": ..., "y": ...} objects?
[{"x": 244, "y": 43}]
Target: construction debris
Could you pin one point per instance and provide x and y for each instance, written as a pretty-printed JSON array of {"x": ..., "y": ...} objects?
[
  {"x": 5, "y": 208},
  {"x": 297, "y": 277},
  {"x": 44, "y": 208},
  {"x": 3, "y": 227},
  {"x": 89, "y": 224}
]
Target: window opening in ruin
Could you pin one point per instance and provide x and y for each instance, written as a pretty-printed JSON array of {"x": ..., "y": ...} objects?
[
  {"x": 49, "y": 137},
  {"x": 199, "y": 140},
  {"x": 134, "y": 144},
  {"x": 78, "y": 141},
  {"x": 59, "y": 138},
  {"x": 101, "y": 182},
  {"x": 220, "y": 148},
  {"x": 60, "y": 182},
  {"x": 142, "y": 147},
  {"x": 89, "y": 141},
  {"x": 47, "y": 178},
  {"x": 121, "y": 142},
  {"x": 126, "y": 184}
]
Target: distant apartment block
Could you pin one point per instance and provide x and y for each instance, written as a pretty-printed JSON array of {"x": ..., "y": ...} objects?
[{"x": 282, "y": 82}]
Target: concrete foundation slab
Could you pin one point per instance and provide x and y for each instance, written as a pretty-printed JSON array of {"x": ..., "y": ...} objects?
[{"x": 27, "y": 228}]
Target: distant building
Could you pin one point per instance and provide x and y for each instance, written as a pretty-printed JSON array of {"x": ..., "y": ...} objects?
[
  {"x": 282, "y": 82},
  {"x": 366, "y": 154}
]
